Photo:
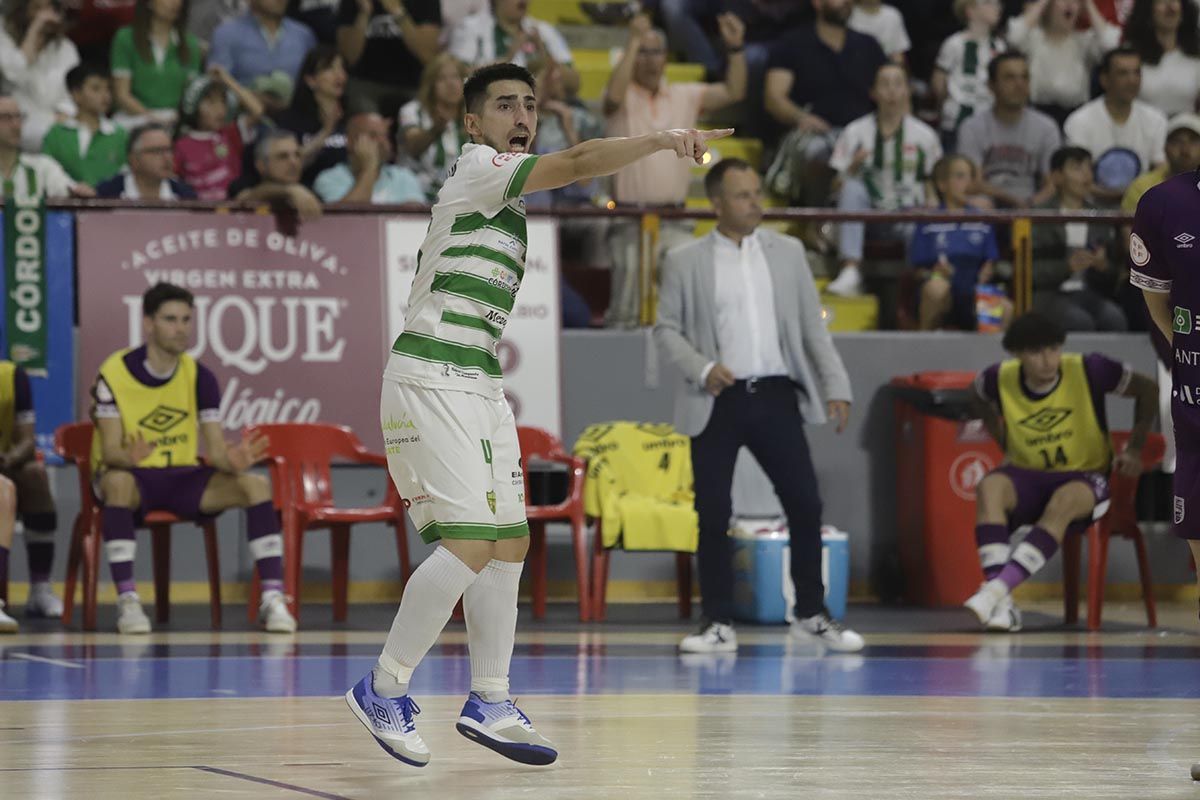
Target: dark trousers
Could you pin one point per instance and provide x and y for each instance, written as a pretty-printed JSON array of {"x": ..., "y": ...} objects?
[{"x": 766, "y": 419}]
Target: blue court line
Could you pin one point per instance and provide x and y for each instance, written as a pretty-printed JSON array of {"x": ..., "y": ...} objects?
[{"x": 838, "y": 675}]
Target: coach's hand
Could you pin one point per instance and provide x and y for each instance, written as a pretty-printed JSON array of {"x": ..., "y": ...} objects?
[
  {"x": 718, "y": 380},
  {"x": 689, "y": 143},
  {"x": 1128, "y": 463},
  {"x": 248, "y": 452},
  {"x": 839, "y": 412}
]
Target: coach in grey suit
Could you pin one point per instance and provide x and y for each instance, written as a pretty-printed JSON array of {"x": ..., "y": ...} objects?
[{"x": 739, "y": 315}]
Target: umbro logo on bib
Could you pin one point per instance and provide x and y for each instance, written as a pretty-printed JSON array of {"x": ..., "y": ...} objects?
[{"x": 162, "y": 419}]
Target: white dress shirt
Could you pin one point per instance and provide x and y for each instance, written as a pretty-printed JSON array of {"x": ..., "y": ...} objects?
[{"x": 747, "y": 333}]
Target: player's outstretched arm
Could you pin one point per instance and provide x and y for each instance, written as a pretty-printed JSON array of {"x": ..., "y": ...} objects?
[{"x": 598, "y": 157}]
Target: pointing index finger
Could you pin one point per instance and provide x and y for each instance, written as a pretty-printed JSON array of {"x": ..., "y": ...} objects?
[{"x": 720, "y": 133}]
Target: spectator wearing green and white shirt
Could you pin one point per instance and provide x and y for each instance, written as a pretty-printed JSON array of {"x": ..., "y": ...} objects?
[
  {"x": 504, "y": 33},
  {"x": 884, "y": 161},
  {"x": 28, "y": 173},
  {"x": 431, "y": 129},
  {"x": 153, "y": 61},
  {"x": 89, "y": 147},
  {"x": 960, "y": 77}
]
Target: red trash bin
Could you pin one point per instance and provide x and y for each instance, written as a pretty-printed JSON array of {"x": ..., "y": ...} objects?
[{"x": 941, "y": 455}]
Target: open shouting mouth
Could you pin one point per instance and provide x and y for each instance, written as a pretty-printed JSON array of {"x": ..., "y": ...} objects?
[{"x": 519, "y": 142}]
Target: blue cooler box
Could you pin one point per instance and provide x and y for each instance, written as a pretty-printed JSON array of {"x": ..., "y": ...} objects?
[{"x": 762, "y": 581}]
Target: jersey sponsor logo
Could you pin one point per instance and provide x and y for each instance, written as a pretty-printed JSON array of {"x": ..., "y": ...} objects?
[
  {"x": 967, "y": 471},
  {"x": 1045, "y": 420},
  {"x": 491, "y": 501},
  {"x": 1189, "y": 395},
  {"x": 500, "y": 159},
  {"x": 1180, "y": 510},
  {"x": 1184, "y": 320},
  {"x": 1184, "y": 241},
  {"x": 162, "y": 419},
  {"x": 1138, "y": 253},
  {"x": 496, "y": 318},
  {"x": 1190, "y": 358}
]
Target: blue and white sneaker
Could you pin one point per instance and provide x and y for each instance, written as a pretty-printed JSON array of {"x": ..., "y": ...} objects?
[
  {"x": 505, "y": 729},
  {"x": 390, "y": 721}
]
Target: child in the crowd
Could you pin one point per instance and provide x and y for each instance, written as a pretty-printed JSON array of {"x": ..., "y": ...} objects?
[
  {"x": 212, "y": 132},
  {"x": 89, "y": 147},
  {"x": 955, "y": 258},
  {"x": 885, "y": 23},
  {"x": 960, "y": 77}
]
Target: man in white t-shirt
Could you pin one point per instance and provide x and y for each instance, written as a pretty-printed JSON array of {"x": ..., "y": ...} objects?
[
  {"x": 886, "y": 24},
  {"x": 1124, "y": 135},
  {"x": 448, "y": 431},
  {"x": 503, "y": 32},
  {"x": 883, "y": 161}
]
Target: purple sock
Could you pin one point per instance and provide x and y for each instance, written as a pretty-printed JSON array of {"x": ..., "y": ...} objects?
[
  {"x": 993, "y": 548},
  {"x": 1028, "y": 557},
  {"x": 3, "y": 573},
  {"x": 39, "y": 544},
  {"x": 120, "y": 546},
  {"x": 266, "y": 545}
]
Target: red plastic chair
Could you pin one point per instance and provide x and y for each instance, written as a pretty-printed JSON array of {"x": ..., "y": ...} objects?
[
  {"x": 300, "y": 457},
  {"x": 683, "y": 579},
  {"x": 74, "y": 443},
  {"x": 537, "y": 444},
  {"x": 1121, "y": 520}
]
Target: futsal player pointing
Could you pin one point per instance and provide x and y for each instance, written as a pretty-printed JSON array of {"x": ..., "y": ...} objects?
[
  {"x": 1164, "y": 255},
  {"x": 449, "y": 433}
]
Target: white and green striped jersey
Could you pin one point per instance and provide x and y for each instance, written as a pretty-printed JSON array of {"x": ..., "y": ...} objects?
[{"x": 469, "y": 269}]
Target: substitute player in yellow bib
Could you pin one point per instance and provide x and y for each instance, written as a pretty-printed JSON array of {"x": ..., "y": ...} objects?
[
  {"x": 450, "y": 436},
  {"x": 1046, "y": 409},
  {"x": 153, "y": 406}
]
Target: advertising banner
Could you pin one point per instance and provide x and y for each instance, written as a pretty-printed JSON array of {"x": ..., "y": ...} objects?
[
  {"x": 529, "y": 352},
  {"x": 53, "y": 383},
  {"x": 290, "y": 323}
]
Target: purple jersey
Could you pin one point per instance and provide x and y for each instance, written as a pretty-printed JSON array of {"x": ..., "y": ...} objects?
[
  {"x": 1104, "y": 376},
  {"x": 208, "y": 391},
  {"x": 1164, "y": 256}
]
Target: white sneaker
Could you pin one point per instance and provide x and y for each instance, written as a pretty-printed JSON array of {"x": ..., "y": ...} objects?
[
  {"x": 848, "y": 283},
  {"x": 829, "y": 632},
  {"x": 273, "y": 614},
  {"x": 42, "y": 602},
  {"x": 1006, "y": 617},
  {"x": 713, "y": 637},
  {"x": 984, "y": 602},
  {"x": 130, "y": 616},
  {"x": 7, "y": 623}
]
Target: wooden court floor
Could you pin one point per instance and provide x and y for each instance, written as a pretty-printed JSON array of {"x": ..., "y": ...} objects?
[{"x": 931, "y": 711}]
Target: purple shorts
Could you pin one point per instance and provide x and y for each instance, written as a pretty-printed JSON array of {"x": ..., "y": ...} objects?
[
  {"x": 1035, "y": 487},
  {"x": 1186, "y": 517},
  {"x": 174, "y": 489}
]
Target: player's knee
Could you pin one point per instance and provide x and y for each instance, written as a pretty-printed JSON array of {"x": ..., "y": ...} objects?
[
  {"x": 1069, "y": 503},
  {"x": 255, "y": 489},
  {"x": 118, "y": 488},
  {"x": 513, "y": 550},
  {"x": 8, "y": 497},
  {"x": 994, "y": 492}
]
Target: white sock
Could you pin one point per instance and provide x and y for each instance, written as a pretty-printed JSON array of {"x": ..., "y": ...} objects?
[
  {"x": 428, "y": 601},
  {"x": 490, "y": 604}
]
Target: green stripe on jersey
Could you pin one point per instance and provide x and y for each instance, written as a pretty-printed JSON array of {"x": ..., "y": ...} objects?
[
  {"x": 517, "y": 181},
  {"x": 468, "y": 321},
  {"x": 470, "y": 287},
  {"x": 487, "y": 254},
  {"x": 438, "y": 351},
  {"x": 508, "y": 221}
]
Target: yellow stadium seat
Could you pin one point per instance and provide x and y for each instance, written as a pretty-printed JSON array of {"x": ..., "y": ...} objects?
[
  {"x": 845, "y": 314},
  {"x": 562, "y": 11}
]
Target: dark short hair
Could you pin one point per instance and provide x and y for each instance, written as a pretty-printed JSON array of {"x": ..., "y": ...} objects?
[
  {"x": 78, "y": 75},
  {"x": 891, "y": 65},
  {"x": 716, "y": 176},
  {"x": 137, "y": 133},
  {"x": 262, "y": 147},
  {"x": 1123, "y": 51},
  {"x": 1068, "y": 155},
  {"x": 1001, "y": 58},
  {"x": 160, "y": 293},
  {"x": 1033, "y": 331},
  {"x": 475, "y": 90}
]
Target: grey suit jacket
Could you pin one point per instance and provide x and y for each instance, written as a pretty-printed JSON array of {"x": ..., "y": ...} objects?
[{"x": 686, "y": 330}]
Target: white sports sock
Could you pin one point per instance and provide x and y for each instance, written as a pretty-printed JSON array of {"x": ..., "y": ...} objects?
[
  {"x": 428, "y": 601},
  {"x": 490, "y": 604}
]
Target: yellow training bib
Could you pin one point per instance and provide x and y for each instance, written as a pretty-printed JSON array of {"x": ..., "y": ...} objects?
[
  {"x": 8, "y": 403},
  {"x": 1058, "y": 433},
  {"x": 166, "y": 415}
]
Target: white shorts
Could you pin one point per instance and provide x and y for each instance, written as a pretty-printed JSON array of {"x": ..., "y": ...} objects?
[{"x": 456, "y": 461}]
